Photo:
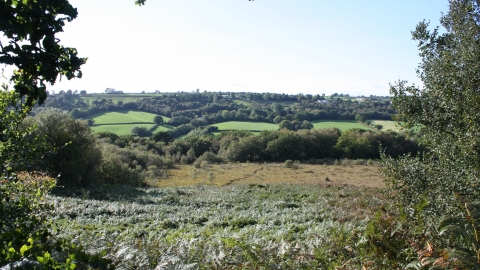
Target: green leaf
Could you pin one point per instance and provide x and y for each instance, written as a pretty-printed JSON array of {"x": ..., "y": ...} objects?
[
  {"x": 40, "y": 259},
  {"x": 23, "y": 249}
]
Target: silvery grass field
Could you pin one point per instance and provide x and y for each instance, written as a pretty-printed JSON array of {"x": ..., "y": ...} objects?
[{"x": 205, "y": 226}]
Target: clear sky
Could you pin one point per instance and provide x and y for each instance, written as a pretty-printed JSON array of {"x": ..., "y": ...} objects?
[{"x": 278, "y": 46}]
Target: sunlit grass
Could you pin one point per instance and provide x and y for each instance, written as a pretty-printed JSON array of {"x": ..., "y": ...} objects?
[
  {"x": 274, "y": 173},
  {"x": 239, "y": 125},
  {"x": 340, "y": 124},
  {"x": 122, "y": 129},
  {"x": 127, "y": 116}
]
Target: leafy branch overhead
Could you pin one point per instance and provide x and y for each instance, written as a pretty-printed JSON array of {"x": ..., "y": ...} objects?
[{"x": 30, "y": 28}]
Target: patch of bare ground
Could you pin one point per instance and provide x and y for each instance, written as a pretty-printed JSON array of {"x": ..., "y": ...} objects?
[{"x": 273, "y": 173}]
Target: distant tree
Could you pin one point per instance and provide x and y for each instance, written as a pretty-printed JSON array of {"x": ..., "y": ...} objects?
[
  {"x": 306, "y": 125},
  {"x": 276, "y": 107},
  {"x": 83, "y": 92},
  {"x": 286, "y": 124},
  {"x": 162, "y": 136},
  {"x": 135, "y": 130},
  {"x": 360, "y": 118},
  {"x": 158, "y": 119},
  {"x": 107, "y": 134},
  {"x": 353, "y": 146},
  {"x": 288, "y": 145},
  {"x": 278, "y": 119}
]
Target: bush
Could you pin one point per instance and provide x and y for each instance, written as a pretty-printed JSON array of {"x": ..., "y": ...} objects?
[
  {"x": 77, "y": 156},
  {"x": 158, "y": 120},
  {"x": 291, "y": 164}
]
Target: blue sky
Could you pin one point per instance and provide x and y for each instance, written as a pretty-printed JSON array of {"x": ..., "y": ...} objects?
[{"x": 277, "y": 46}]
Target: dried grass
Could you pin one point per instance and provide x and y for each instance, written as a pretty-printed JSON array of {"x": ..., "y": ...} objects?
[{"x": 274, "y": 173}]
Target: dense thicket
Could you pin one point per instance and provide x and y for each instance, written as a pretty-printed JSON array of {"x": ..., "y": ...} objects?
[{"x": 272, "y": 146}]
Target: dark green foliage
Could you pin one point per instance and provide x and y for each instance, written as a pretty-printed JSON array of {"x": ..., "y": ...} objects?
[
  {"x": 141, "y": 131},
  {"x": 106, "y": 134},
  {"x": 158, "y": 120},
  {"x": 15, "y": 151},
  {"x": 41, "y": 59},
  {"x": 286, "y": 125},
  {"x": 76, "y": 158},
  {"x": 354, "y": 144},
  {"x": 162, "y": 136},
  {"x": 439, "y": 191}
]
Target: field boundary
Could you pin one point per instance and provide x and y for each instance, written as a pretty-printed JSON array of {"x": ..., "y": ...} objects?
[{"x": 123, "y": 123}]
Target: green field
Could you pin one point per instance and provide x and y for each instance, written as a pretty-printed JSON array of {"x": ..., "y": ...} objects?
[
  {"x": 124, "y": 117},
  {"x": 387, "y": 125},
  {"x": 120, "y": 122},
  {"x": 238, "y": 125},
  {"x": 243, "y": 102},
  {"x": 162, "y": 128},
  {"x": 340, "y": 124},
  {"x": 122, "y": 129}
]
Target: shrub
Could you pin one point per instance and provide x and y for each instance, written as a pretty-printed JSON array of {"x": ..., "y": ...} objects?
[
  {"x": 77, "y": 156},
  {"x": 291, "y": 164}
]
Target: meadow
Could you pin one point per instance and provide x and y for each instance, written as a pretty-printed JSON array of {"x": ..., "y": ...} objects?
[
  {"x": 238, "y": 125},
  {"x": 120, "y": 122},
  {"x": 346, "y": 173},
  {"x": 340, "y": 124},
  {"x": 126, "y": 116},
  {"x": 387, "y": 125},
  {"x": 243, "y": 102}
]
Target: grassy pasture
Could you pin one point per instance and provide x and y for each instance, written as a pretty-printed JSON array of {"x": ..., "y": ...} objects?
[
  {"x": 238, "y": 125},
  {"x": 127, "y": 116},
  {"x": 162, "y": 128},
  {"x": 122, "y": 129},
  {"x": 243, "y": 102},
  {"x": 387, "y": 125},
  {"x": 340, "y": 124}
]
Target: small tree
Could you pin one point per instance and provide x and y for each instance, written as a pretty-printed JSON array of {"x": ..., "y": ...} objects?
[
  {"x": 141, "y": 131},
  {"x": 286, "y": 124},
  {"x": 158, "y": 119}
]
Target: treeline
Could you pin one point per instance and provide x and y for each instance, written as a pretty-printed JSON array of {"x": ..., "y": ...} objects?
[
  {"x": 201, "y": 109},
  {"x": 271, "y": 146},
  {"x": 80, "y": 158}
]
